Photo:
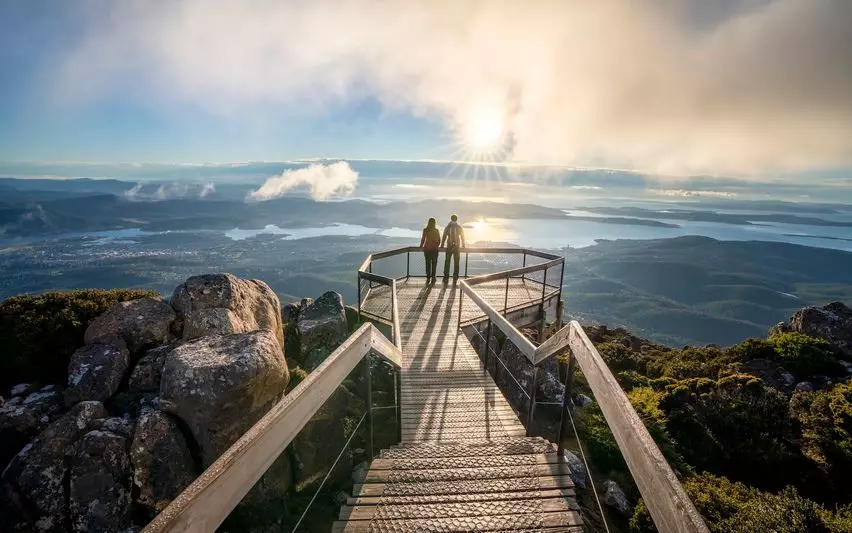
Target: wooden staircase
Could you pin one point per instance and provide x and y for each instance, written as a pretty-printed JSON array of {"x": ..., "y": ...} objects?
[{"x": 514, "y": 484}]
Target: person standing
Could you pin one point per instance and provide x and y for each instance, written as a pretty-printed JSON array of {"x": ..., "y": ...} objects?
[
  {"x": 454, "y": 239},
  {"x": 430, "y": 242}
]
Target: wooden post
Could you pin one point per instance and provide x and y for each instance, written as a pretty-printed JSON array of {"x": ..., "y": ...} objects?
[
  {"x": 397, "y": 395},
  {"x": 566, "y": 404},
  {"x": 407, "y": 264},
  {"x": 506, "y": 300},
  {"x": 368, "y": 402},
  {"x": 531, "y": 411}
]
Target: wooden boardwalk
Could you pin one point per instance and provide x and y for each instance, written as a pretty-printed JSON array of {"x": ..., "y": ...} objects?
[{"x": 464, "y": 463}]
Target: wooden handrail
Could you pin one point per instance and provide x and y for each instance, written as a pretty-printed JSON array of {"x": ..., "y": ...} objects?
[
  {"x": 670, "y": 507},
  {"x": 524, "y": 345},
  {"x": 205, "y": 504}
]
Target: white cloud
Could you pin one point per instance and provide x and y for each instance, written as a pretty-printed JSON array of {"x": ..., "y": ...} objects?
[
  {"x": 168, "y": 191},
  {"x": 322, "y": 182},
  {"x": 207, "y": 190},
  {"x": 674, "y": 86}
]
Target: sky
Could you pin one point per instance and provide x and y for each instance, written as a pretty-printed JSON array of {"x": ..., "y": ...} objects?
[{"x": 677, "y": 87}]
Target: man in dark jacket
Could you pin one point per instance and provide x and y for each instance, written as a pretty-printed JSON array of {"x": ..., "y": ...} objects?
[{"x": 454, "y": 239}]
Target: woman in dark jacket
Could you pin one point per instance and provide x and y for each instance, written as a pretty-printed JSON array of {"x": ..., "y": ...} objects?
[{"x": 430, "y": 242}]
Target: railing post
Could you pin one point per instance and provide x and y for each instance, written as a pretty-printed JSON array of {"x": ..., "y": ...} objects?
[
  {"x": 397, "y": 397},
  {"x": 506, "y": 300},
  {"x": 566, "y": 404},
  {"x": 466, "y": 260},
  {"x": 461, "y": 301},
  {"x": 394, "y": 331},
  {"x": 358, "y": 286},
  {"x": 407, "y": 264},
  {"x": 368, "y": 402},
  {"x": 531, "y": 411},
  {"x": 488, "y": 346},
  {"x": 524, "y": 276}
]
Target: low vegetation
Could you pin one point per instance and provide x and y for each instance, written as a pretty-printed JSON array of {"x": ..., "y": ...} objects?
[
  {"x": 757, "y": 453},
  {"x": 39, "y": 333}
]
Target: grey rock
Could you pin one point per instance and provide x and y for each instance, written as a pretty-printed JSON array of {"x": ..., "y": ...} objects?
[
  {"x": 141, "y": 324},
  {"x": 832, "y": 322},
  {"x": 804, "y": 386},
  {"x": 359, "y": 473},
  {"x": 95, "y": 372},
  {"x": 787, "y": 379},
  {"x": 352, "y": 319},
  {"x": 162, "y": 463},
  {"x": 146, "y": 374},
  {"x": 22, "y": 389},
  {"x": 578, "y": 469},
  {"x": 615, "y": 498},
  {"x": 221, "y": 385},
  {"x": 252, "y": 305},
  {"x": 847, "y": 366},
  {"x": 24, "y": 417},
  {"x": 581, "y": 400},
  {"x": 131, "y": 403},
  {"x": 100, "y": 483},
  {"x": 219, "y": 321},
  {"x": 290, "y": 313},
  {"x": 39, "y": 470},
  {"x": 121, "y": 426},
  {"x": 322, "y": 327}
]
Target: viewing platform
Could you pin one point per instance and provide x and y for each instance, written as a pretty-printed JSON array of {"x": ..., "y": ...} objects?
[{"x": 464, "y": 457}]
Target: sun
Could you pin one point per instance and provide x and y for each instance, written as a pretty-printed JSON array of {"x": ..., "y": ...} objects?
[{"x": 484, "y": 130}]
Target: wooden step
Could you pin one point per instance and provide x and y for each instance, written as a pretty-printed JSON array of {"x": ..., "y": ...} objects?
[
  {"x": 457, "y": 498},
  {"x": 390, "y": 511},
  {"x": 512, "y": 484},
  {"x": 488, "y": 461},
  {"x": 458, "y": 474},
  {"x": 510, "y": 522}
]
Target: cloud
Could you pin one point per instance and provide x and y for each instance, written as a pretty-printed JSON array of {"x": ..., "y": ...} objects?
[
  {"x": 322, "y": 181},
  {"x": 155, "y": 192},
  {"x": 677, "y": 86}
]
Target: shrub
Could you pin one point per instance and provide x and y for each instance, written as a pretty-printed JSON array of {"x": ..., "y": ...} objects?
[
  {"x": 804, "y": 356},
  {"x": 297, "y": 375},
  {"x": 617, "y": 356},
  {"x": 38, "y": 333},
  {"x": 735, "y": 426},
  {"x": 730, "y": 506}
]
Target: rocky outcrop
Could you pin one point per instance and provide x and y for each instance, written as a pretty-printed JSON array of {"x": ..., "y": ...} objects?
[
  {"x": 223, "y": 303},
  {"x": 148, "y": 370},
  {"x": 322, "y": 327},
  {"x": 95, "y": 372},
  {"x": 141, "y": 324},
  {"x": 99, "y": 493},
  {"x": 162, "y": 463},
  {"x": 577, "y": 468},
  {"x": 832, "y": 322},
  {"x": 222, "y": 384},
  {"x": 37, "y": 473},
  {"x": 24, "y": 415}
]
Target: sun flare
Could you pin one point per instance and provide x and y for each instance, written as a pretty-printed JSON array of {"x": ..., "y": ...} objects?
[{"x": 484, "y": 132}]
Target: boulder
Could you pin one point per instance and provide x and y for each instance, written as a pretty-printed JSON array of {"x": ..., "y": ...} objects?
[
  {"x": 319, "y": 442},
  {"x": 141, "y": 324},
  {"x": 99, "y": 493},
  {"x": 577, "y": 468},
  {"x": 221, "y": 385},
  {"x": 146, "y": 374},
  {"x": 219, "y": 321},
  {"x": 322, "y": 328},
  {"x": 581, "y": 400},
  {"x": 39, "y": 470},
  {"x": 121, "y": 426},
  {"x": 832, "y": 322},
  {"x": 352, "y": 318},
  {"x": 162, "y": 463},
  {"x": 23, "y": 417},
  {"x": 95, "y": 372},
  {"x": 252, "y": 305},
  {"x": 615, "y": 498},
  {"x": 290, "y": 313},
  {"x": 804, "y": 386}
]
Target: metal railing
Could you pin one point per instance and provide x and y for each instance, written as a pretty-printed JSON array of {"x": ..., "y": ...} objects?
[
  {"x": 208, "y": 501},
  {"x": 669, "y": 506}
]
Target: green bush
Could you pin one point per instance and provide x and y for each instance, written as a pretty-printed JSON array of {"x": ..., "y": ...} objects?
[
  {"x": 735, "y": 426},
  {"x": 297, "y": 375},
  {"x": 38, "y": 333},
  {"x": 804, "y": 356},
  {"x": 617, "y": 356},
  {"x": 729, "y": 506},
  {"x": 825, "y": 422}
]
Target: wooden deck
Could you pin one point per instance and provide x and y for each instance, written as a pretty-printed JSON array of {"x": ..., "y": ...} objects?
[{"x": 464, "y": 463}]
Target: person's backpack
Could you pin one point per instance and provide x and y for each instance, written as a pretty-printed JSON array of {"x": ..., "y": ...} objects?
[{"x": 433, "y": 239}]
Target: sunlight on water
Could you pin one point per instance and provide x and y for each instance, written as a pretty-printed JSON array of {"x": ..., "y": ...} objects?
[{"x": 489, "y": 230}]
